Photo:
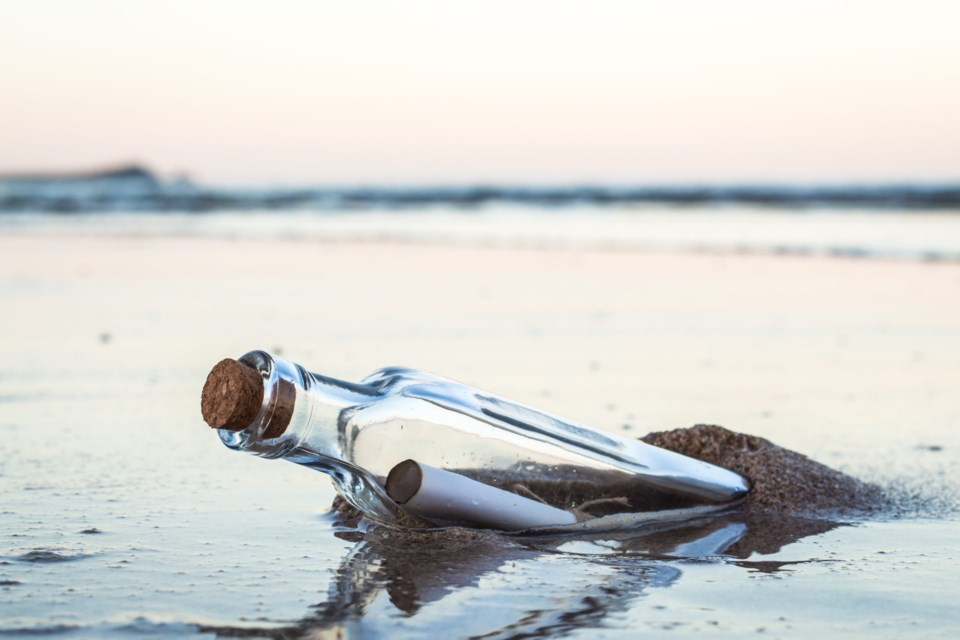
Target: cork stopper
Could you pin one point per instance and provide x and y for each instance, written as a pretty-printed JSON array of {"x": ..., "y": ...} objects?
[{"x": 232, "y": 396}]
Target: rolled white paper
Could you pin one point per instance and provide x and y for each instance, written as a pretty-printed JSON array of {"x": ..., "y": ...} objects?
[{"x": 444, "y": 497}]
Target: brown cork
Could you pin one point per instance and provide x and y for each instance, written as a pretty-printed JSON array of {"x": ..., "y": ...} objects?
[
  {"x": 282, "y": 409},
  {"x": 232, "y": 396}
]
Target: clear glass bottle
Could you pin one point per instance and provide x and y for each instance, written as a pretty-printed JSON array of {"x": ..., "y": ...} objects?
[{"x": 357, "y": 433}]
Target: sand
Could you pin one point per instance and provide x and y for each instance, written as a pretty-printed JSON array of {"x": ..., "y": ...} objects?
[
  {"x": 781, "y": 481},
  {"x": 850, "y": 362},
  {"x": 108, "y": 340}
]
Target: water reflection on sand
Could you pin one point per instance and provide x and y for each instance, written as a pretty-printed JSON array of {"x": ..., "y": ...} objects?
[{"x": 484, "y": 583}]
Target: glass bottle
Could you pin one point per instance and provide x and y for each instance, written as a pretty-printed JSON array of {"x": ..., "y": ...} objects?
[{"x": 357, "y": 433}]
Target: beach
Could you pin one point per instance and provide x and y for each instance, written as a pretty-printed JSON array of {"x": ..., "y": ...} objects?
[
  {"x": 542, "y": 320},
  {"x": 123, "y": 512}
]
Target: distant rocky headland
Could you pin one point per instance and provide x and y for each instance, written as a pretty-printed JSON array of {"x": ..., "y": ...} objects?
[
  {"x": 122, "y": 187},
  {"x": 119, "y": 172}
]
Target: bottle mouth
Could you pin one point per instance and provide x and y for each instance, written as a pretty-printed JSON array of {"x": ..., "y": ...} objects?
[{"x": 266, "y": 411}]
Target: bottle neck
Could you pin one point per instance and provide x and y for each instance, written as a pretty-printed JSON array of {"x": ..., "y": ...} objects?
[
  {"x": 299, "y": 420},
  {"x": 300, "y": 410}
]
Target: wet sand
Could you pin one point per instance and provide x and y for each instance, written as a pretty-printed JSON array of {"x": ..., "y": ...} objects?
[
  {"x": 851, "y": 363},
  {"x": 781, "y": 481}
]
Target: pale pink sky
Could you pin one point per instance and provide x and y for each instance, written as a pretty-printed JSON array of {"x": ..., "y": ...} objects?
[{"x": 522, "y": 91}]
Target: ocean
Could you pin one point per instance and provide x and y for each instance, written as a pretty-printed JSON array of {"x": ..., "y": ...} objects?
[{"x": 914, "y": 222}]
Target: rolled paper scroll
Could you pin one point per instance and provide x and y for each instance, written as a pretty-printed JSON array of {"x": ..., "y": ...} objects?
[{"x": 444, "y": 497}]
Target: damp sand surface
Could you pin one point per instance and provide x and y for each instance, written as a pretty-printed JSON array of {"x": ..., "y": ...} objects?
[{"x": 122, "y": 514}]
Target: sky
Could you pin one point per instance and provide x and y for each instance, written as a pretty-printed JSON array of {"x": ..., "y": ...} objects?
[{"x": 441, "y": 92}]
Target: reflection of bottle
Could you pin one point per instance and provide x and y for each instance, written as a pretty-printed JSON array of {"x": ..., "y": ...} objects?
[{"x": 358, "y": 432}]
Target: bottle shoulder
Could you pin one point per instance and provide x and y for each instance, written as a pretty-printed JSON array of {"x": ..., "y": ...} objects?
[
  {"x": 409, "y": 383},
  {"x": 392, "y": 378}
]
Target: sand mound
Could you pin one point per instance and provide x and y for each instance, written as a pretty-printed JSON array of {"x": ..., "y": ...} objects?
[{"x": 782, "y": 481}]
